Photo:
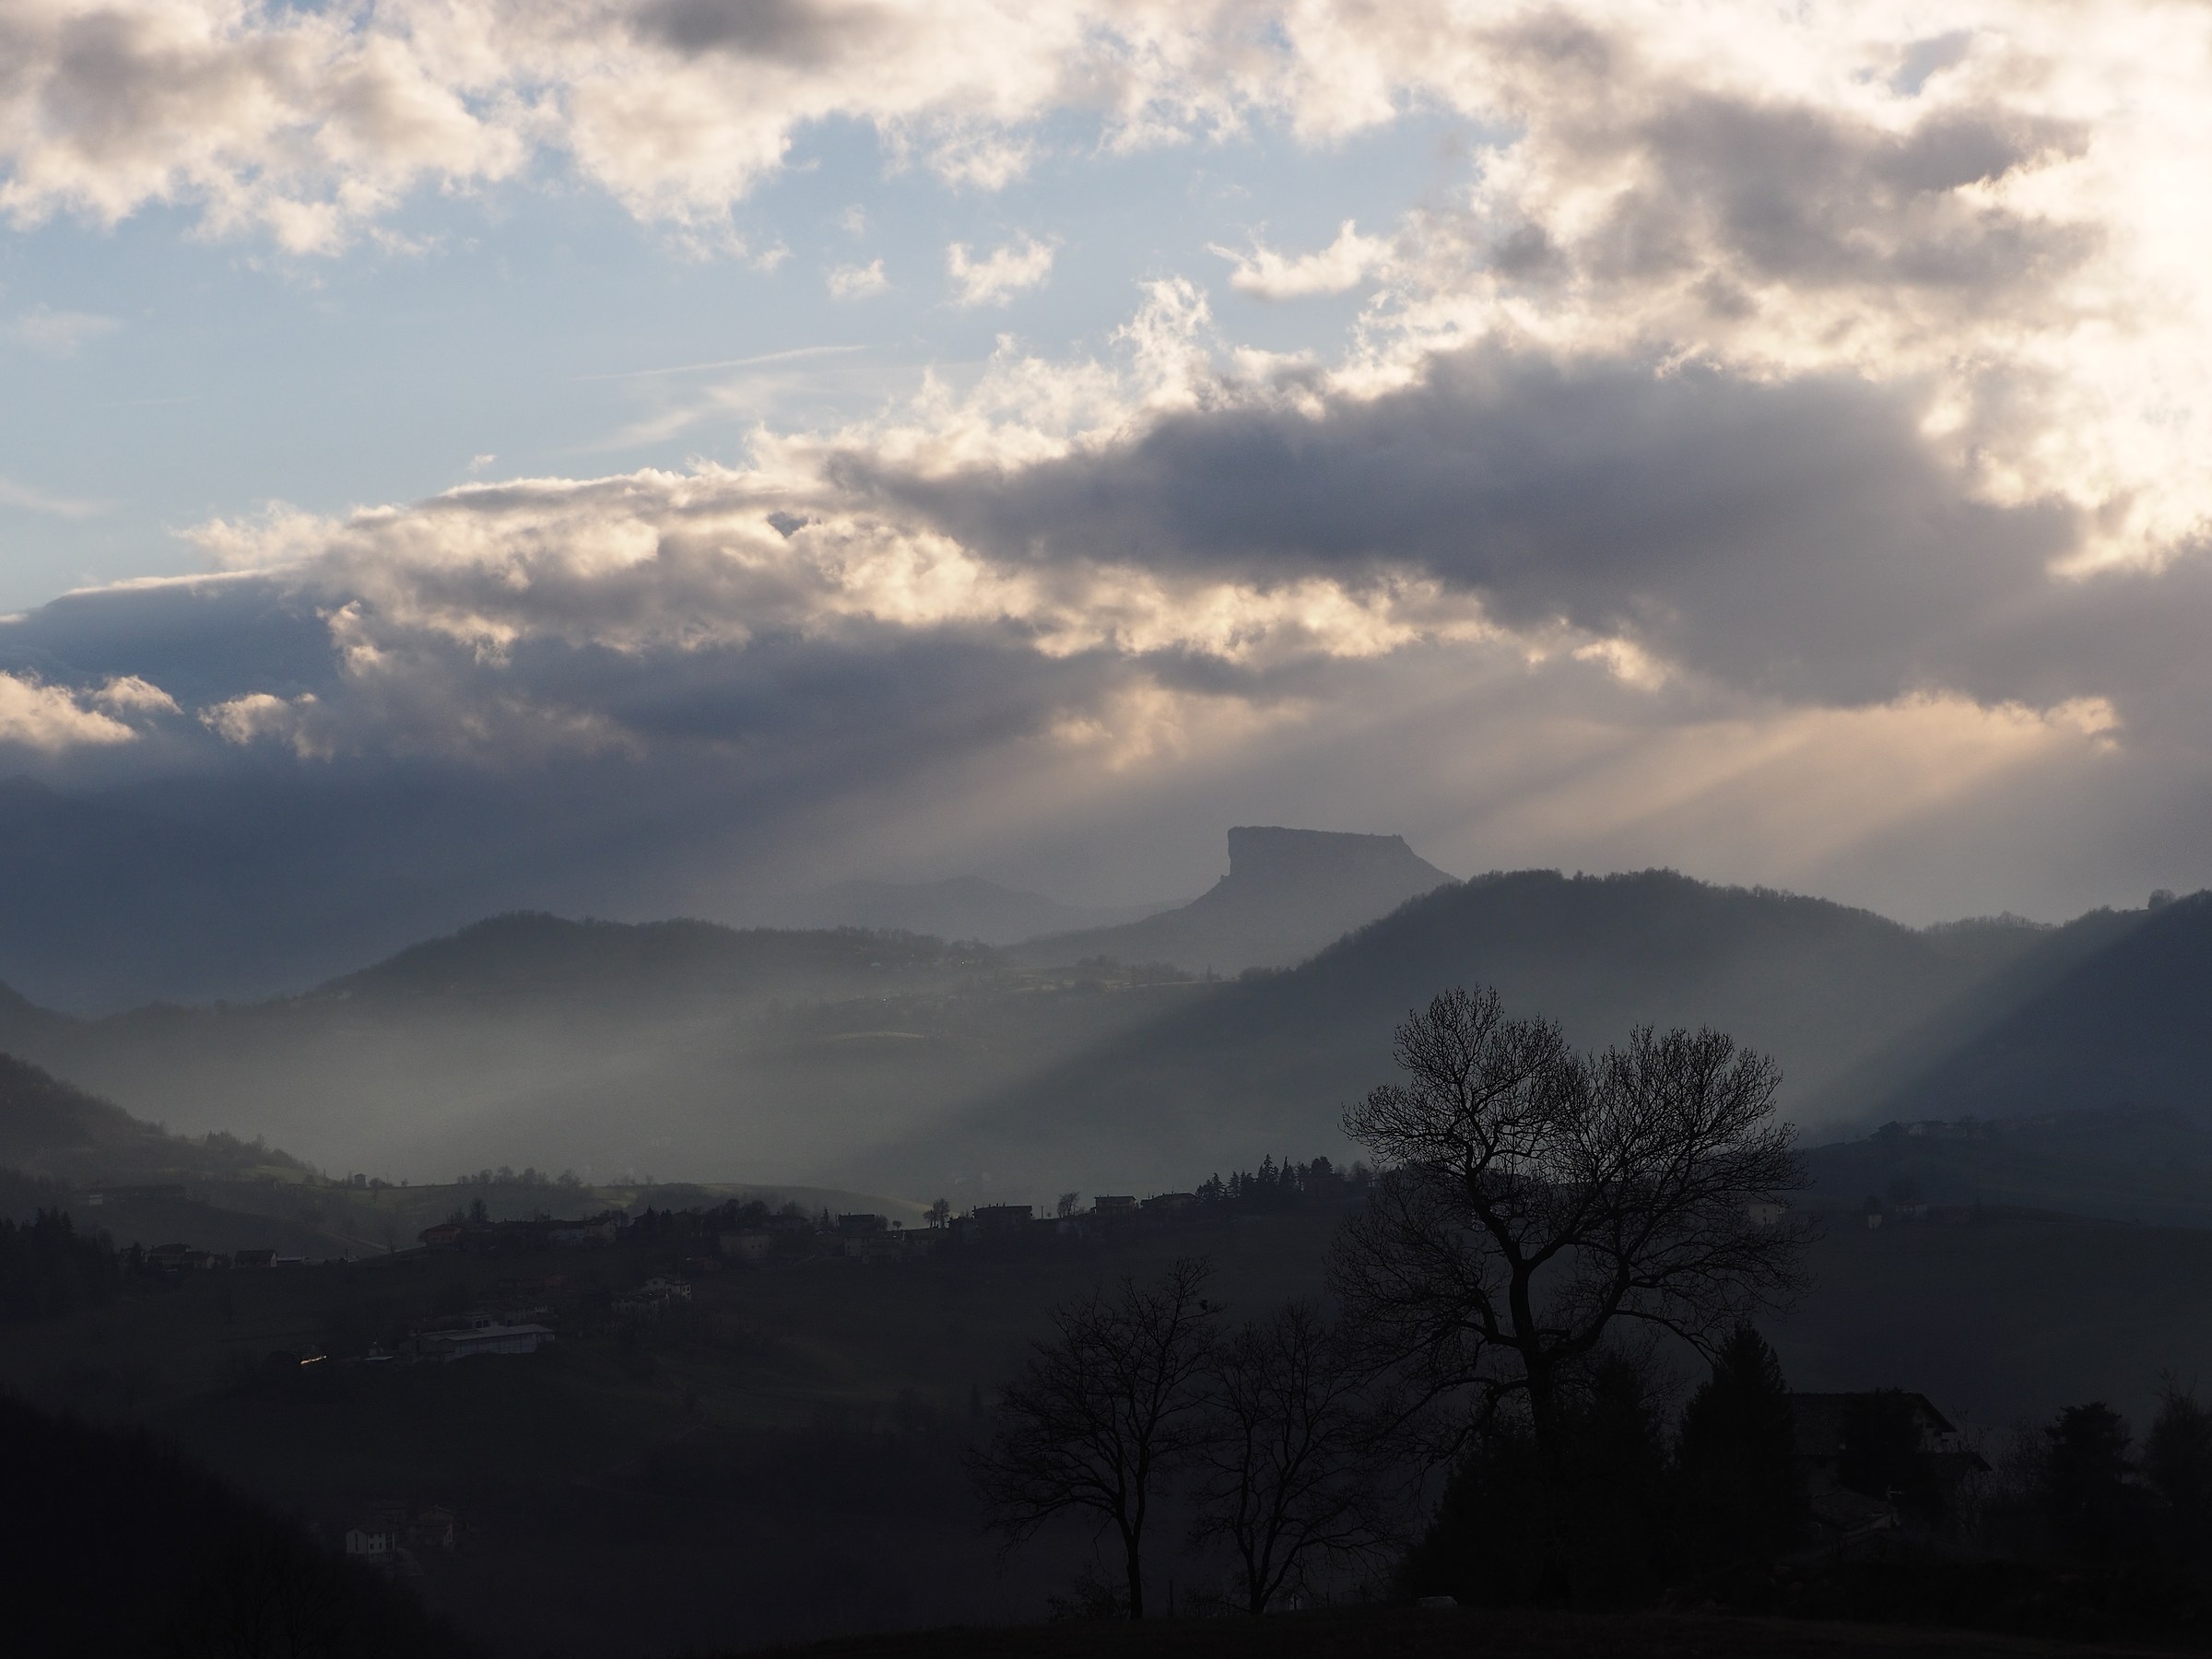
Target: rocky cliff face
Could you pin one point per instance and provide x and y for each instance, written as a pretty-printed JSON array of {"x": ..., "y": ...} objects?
[
  {"x": 1288, "y": 893},
  {"x": 1325, "y": 860}
]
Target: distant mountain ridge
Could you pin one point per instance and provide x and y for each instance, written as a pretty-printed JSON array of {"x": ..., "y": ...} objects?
[
  {"x": 1288, "y": 893},
  {"x": 963, "y": 907},
  {"x": 1266, "y": 1065},
  {"x": 894, "y": 1062}
]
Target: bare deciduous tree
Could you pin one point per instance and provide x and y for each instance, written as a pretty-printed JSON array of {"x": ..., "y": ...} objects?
[
  {"x": 1287, "y": 1466},
  {"x": 1534, "y": 1198},
  {"x": 1103, "y": 1410}
]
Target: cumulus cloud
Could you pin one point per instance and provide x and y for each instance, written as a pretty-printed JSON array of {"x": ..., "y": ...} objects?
[
  {"x": 858, "y": 282},
  {"x": 1344, "y": 264},
  {"x": 128, "y": 694},
  {"x": 52, "y": 719},
  {"x": 998, "y": 275},
  {"x": 261, "y": 716},
  {"x": 1980, "y": 196}
]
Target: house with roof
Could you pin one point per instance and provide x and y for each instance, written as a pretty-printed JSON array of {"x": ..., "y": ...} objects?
[
  {"x": 470, "y": 1335},
  {"x": 1839, "y": 1437},
  {"x": 749, "y": 1247}
]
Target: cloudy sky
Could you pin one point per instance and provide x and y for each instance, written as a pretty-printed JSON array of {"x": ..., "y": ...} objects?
[{"x": 787, "y": 440}]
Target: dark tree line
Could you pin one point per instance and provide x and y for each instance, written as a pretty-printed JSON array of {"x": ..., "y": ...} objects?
[
  {"x": 49, "y": 1269},
  {"x": 1635, "y": 1503},
  {"x": 2082, "y": 1490},
  {"x": 1275, "y": 1188}
]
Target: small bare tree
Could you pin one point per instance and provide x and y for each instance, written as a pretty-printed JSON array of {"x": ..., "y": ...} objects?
[
  {"x": 1287, "y": 1469},
  {"x": 1103, "y": 1410},
  {"x": 1534, "y": 1198}
]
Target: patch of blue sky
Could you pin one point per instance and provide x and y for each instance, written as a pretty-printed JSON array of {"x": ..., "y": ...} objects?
[{"x": 151, "y": 378}]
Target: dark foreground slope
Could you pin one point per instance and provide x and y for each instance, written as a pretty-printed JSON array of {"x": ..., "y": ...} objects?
[
  {"x": 1288, "y": 893},
  {"x": 112, "y": 1544},
  {"x": 780, "y": 1458},
  {"x": 1265, "y": 1065},
  {"x": 1451, "y": 1633}
]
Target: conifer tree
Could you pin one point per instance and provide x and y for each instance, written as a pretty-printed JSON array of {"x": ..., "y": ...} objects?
[{"x": 1742, "y": 1495}]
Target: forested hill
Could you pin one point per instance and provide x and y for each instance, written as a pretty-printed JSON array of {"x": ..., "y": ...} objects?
[{"x": 1268, "y": 1062}]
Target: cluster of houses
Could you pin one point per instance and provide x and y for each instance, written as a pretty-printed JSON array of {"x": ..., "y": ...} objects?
[
  {"x": 651, "y": 1299},
  {"x": 878, "y": 1239},
  {"x": 388, "y": 1535},
  {"x": 175, "y": 1261},
  {"x": 538, "y": 1232},
  {"x": 467, "y": 1335}
]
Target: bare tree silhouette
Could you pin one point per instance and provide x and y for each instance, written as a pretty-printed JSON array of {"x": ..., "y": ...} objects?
[
  {"x": 1103, "y": 1410},
  {"x": 1288, "y": 1468},
  {"x": 1534, "y": 1198}
]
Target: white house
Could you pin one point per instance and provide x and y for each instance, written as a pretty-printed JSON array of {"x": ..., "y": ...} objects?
[{"x": 482, "y": 1335}]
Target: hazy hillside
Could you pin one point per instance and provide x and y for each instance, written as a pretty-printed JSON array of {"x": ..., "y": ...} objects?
[
  {"x": 52, "y": 1128},
  {"x": 966, "y": 907},
  {"x": 1288, "y": 893},
  {"x": 894, "y": 1062},
  {"x": 1266, "y": 1064},
  {"x": 679, "y": 1049},
  {"x": 2023, "y": 965},
  {"x": 2126, "y": 1022}
]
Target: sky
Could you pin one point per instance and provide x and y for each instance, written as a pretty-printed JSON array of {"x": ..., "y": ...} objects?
[{"x": 670, "y": 452}]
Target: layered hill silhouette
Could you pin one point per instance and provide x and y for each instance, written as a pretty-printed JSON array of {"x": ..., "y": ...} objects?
[
  {"x": 1288, "y": 893},
  {"x": 682, "y": 1049},
  {"x": 1265, "y": 1065},
  {"x": 895, "y": 1063}
]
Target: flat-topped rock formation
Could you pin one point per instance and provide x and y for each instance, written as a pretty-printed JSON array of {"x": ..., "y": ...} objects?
[{"x": 1288, "y": 893}]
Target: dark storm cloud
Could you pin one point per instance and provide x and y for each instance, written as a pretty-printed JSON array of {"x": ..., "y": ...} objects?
[
  {"x": 1795, "y": 538},
  {"x": 798, "y": 32},
  {"x": 201, "y": 642},
  {"x": 187, "y": 866},
  {"x": 1799, "y": 195}
]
